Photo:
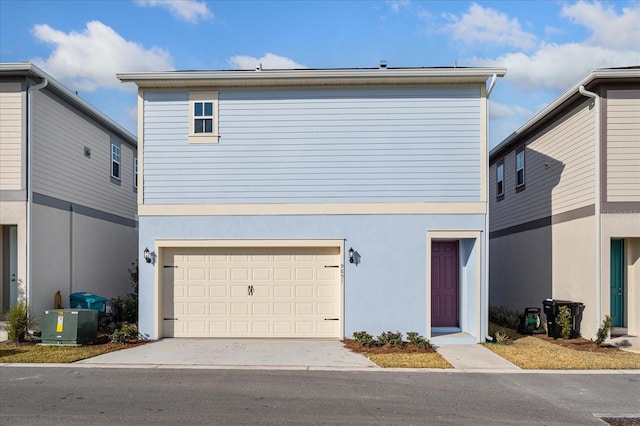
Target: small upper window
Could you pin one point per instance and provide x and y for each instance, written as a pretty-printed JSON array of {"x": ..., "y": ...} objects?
[
  {"x": 500, "y": 179},
  {"x": 520, "y": 168},
  {"x": 135, "y": 172},
  {"x": 204, "y": 117},
  {"x": 115, "y": 161}
]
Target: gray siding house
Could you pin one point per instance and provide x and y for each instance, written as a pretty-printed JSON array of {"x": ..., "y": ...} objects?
[
  {"x": 314, "y": 203},
  {"x": 67, "y": 193},
  {"x": 565, "y": 204}
]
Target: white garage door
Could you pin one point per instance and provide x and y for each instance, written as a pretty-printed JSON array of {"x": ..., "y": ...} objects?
[{"x": 252, "y": 292}]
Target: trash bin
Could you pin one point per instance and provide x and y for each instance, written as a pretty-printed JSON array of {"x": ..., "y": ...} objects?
[
  {"x": 72, "y": 327},
  {"x": 86, "y": 300},
  {"x": 552, "y": 310}
]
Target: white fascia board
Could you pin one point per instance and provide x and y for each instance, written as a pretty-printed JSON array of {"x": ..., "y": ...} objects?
[{"x": 309, "y": 77}]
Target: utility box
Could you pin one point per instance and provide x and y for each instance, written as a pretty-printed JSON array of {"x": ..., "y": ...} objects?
[{"x": 73, "y": 327}]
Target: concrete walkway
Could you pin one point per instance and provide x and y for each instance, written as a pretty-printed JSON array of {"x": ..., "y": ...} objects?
[{"x": 474, "y": 358}]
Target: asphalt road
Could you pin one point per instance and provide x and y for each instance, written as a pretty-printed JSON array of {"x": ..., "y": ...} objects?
[{"x": 73, "y": 396}]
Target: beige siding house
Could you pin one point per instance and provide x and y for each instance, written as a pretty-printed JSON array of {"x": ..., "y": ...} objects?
[
  {"x": 565, "y": 204},
  {"x": 67, "y": 193}
]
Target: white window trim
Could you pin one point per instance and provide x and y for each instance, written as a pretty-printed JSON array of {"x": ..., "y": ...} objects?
[
  {"x": 203, "y": 137},
  {"x": 518, "y": 169},
  {"x": 498, "y": 166},
  {"x": 118, "y": 161},
  {"x": 135, "y": 172}
]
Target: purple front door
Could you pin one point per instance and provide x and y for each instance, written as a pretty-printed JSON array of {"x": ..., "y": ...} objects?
[{"x": 444, "y": 284}]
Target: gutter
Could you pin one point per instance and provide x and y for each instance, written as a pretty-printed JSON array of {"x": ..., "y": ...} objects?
[
  {"x": 486, "y": 220},
  {"x": 598, "y": 225},
  {"x": 30, "y": 91}
]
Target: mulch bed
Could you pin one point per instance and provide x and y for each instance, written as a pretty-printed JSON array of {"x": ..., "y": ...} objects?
[
  {"x": 579, "y": 344},
  {"x": 386, "y": 349}
]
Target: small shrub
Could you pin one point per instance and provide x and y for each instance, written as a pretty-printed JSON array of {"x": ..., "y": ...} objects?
[
  {"x": 418, "y": 341},
  {"x": 20, "y": 321},
  {"x": 503, "y": 316},
  {"x": 564, "y": 321},
  {"x": 125, "y": 333},
  {"x": 125, "y": 309},
  {"x": 501, "y": 337},
  {"x": 604, "y": 330},
  {"x": 394, "y": 339},
  {"x": 364, "y": 339}
]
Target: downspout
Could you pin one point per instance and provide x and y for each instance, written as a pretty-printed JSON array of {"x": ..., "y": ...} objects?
[
  {"x": 598, "y": 229},
  {"x": 30, "y": 91},
  {"x": 486, "y": 218}
]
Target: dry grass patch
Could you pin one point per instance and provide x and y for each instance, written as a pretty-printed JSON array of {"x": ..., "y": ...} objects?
[
  {"x": 32, "y": 353},
  {"x": 409, "y": 360},
  {"x": 538, "y": 354}
]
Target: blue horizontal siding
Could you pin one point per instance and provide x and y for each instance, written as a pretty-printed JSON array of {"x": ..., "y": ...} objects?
[{"x": 317, "y": 145}]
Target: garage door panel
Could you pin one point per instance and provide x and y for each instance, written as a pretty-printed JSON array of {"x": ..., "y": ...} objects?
[
  {"x": 218, "y": 309},
  {"x": 261, "y": 308},
  {"x": 239, "y": 274},
  {"x": 239, "y": 309},
  {"x": 282, "y": 309},
  {"x": 282, "y": 274},
  {"x": 246, "y": 292}
]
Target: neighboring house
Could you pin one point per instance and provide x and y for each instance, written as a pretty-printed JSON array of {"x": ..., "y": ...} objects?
[
  {"x": 259, "y": 187},
  {"x": 67, "y": 193},
  {"x": 565, "y": 204}
]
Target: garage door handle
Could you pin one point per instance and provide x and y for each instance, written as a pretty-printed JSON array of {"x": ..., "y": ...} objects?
[
  {"x": 250, "y": 290},
  {"x": 332, "y": 319}
]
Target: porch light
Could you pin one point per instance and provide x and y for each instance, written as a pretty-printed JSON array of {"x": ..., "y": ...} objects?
[
  {"x": 147, "y": 255},
  {"x": 351, "y": 255}
]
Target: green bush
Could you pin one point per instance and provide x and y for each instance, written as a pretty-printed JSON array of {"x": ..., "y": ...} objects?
[
  {"x": 604, "y": 330},
  {"x": 364, "y": 339},
  {"x": 564, "y": 321},
  {"x": 503, "y": 316},
  {"x": 394, "y": 339},
  {"x": 125, "y": 333},
  {"x": 20, "y": 321},
  {"x": 419, "y": 341}
]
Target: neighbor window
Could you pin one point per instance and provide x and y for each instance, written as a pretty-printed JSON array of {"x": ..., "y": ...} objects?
[
  {"x": 135, "y": 172},
  {"x": 500, "y": 180},
  {"x": 204, "y": 117},
  {"x": 520, "y": 169},
  {"x": 115, "y": 161}
]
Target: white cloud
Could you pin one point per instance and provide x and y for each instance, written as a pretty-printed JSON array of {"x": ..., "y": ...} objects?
[
  {"x": 621, "y": 31},
  {"x": 498, "y": 110},
  {"x": 396, "y": 5},
  {"x": 557, "y": 67},
  {"x": 613, "y": 42},
  {"x": 91, "y": 59},
  {"x": 488, "y": 26},
  {"x": 190, "y": 11},
  {"x": 268, "y": 61}
]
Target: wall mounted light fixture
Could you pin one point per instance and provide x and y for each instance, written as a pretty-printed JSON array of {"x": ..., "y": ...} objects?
[
  {"x": 351, "y": 255},
  {"x": 147, "y": 255}
]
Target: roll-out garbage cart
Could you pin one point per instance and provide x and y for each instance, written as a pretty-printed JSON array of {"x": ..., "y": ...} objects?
[
  {"x": 552, "y": 310},
  {"x": 85, "y": 300}
]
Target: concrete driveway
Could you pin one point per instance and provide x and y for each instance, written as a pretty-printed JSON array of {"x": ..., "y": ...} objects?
[{"x": 270, "y": 353}]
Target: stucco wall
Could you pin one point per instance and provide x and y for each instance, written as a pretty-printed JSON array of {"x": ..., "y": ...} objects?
[
  {"x": 386, "y": 291},
  {"x": 96, "y": 261}
]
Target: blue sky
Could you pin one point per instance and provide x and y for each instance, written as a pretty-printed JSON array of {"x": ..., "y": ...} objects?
[{"x": 547, "y": 46}]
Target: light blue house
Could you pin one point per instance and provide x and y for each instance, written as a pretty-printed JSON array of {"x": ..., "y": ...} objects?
[{"x": 314, "y": 203}]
